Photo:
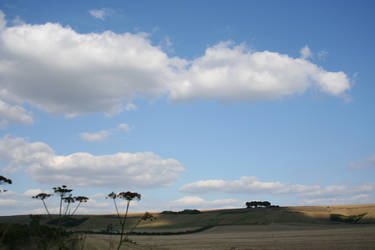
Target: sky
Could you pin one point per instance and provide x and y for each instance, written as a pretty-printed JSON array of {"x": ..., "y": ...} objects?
[{"x": 194, "y": 105}]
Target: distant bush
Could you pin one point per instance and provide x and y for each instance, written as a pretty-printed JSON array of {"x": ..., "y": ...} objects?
[
  {"x": 186, "y": 211},
  {"x": 352, "y": 219}
]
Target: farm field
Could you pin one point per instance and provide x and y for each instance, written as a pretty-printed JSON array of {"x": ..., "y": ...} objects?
[{"x": 255, "y": 237}]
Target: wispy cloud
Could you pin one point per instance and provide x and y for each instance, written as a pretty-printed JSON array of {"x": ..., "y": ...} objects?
[
  {"x": 104, "y": 134},
  {"x": 101, "y": 13},
  {"x": 364, "y": 163},
  {"x": 95, "y": 137},
  {"x": 306, "y": 52},
  {"x": 251, "y": 184},
  {"x": 124, "y": 127}
]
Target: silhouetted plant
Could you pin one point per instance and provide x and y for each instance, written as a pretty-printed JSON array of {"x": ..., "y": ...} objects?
[
  {"x": 145, "y": 217},
  {"x": 62, "y": 191},
  {"x": 127, "y": 197},
  {"x": 65, "y": 196},
  {"x": 4, "y": 180},
  {"x": 68, "y": 199},
  {"x": 42, "y": 197},
  {"x": 80, "y": 199}
]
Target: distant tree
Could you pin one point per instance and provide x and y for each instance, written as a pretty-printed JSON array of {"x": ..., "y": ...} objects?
[
  {"x": 4, "y": 180},
  {"x": 255, "y": 204}
]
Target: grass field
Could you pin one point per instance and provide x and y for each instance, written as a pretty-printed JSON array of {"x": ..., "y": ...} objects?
[{"x": 304, "y": 227}]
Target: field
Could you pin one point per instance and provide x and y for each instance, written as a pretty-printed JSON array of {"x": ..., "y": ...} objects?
[
  {"x": 255, "y": 237},
  {"x": 259, "y": 228}
]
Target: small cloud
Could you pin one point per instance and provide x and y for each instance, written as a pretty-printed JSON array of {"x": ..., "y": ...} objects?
[
  {"x": 32, "y": 192},
  {"x": 363, "y": 163},
  {"x": 17, "y": 21},
  {"x": 124, "y": 127},
  {"x": 100, "y": 13},
  {"x": 306, "y": 52},
  {"x": 95, "y": 137},
  {"x": 130, "y": 107},
  {"x": 167, "y": 44},
  {"x": 104, "y": 134},
  {"x": 322, "y": 55}
]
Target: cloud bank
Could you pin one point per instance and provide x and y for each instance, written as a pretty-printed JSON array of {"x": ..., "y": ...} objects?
[
  {"x": 195, "y": 202},
  {"x": 251, "y": 184},
  {"x": 139, "y": 170},
  {"x": 59, "y": 70}
]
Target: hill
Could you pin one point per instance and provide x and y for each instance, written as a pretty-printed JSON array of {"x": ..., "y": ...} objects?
[{"x": 170, "y": 222}]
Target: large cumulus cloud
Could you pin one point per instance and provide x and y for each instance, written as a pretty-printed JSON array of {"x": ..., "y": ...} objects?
[{"x": 59, "y": 70}]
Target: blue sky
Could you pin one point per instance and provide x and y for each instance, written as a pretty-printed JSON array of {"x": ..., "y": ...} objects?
[{"x": 192, "y": 104}]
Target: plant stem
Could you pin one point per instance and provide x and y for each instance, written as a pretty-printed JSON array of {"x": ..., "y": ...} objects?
[
  {"x": 60, "y": 206},
  {"x": 76, "y": 208},
  {"x": 45, "y": 206},
  {"x": 123, "y": 225},
  {"x": 118, "y": 214}
]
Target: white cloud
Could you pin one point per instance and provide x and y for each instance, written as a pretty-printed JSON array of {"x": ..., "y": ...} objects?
[
  {"x": 59, "y": 70},
  {"x": 95, "y": 137},
  {"x": 13, "y": 203},
  {"x": 252, "y": 184},
  {"x": 306, "y": 52},
  {"x": 14, "y": 114},
  {"x": 130, "y": 107},
  {"x": 124, "y": 127},
  {"x": 32, "y": 192},
  {"x": 17, "y": 21},
  {"x": 3, "y": 22},
  {"x": 246, "y": 184},
  {"x": 364, "y": 163},
  {"x": 195, "y": 202},
  {"x": 100, "y": 13},
  {"x": 139, "y": 170},
  {"x": 104, "y": 134},
  {"x": 322, "y": 55},
  {"x": 233, "y": 73},
  {"x": 360, "y": 198}
]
